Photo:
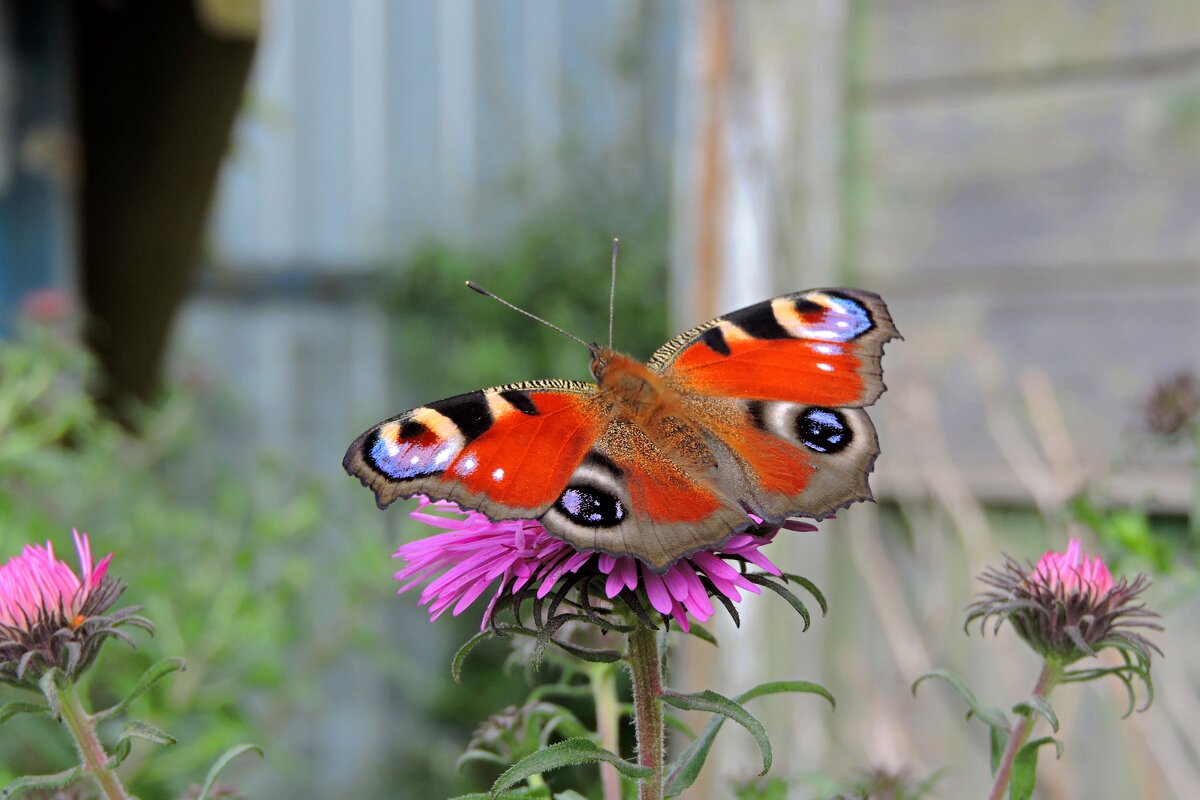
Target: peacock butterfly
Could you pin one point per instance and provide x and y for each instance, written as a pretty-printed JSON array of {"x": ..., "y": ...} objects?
[{"x": 760, "y": 412}]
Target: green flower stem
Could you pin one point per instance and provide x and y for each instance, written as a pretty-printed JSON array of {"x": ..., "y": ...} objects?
[
  {"x": 95, "y": 759},
  {"x": 1017, "y": 736},
  {"x": 645, "y": 669},
  {"x": 608, "y": 715}
]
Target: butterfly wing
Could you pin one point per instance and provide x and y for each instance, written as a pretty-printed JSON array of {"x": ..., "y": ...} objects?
[
  {"x": 541, "y": 450},
  {"x": 627, "y": 497},
  {"x": 779, "y": 388},
  {"x": 507, "y": 451},
  {"x": 819, "y": 347}
]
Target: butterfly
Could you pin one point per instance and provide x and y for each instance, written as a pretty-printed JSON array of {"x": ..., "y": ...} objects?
[{"x": 760, "y": 411}]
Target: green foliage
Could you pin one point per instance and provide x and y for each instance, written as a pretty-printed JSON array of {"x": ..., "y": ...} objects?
[
  {"x": 568, "y": 752},
  {"x": 1128, "y": 534},
  {"x": 989, "y": 715},
  {"x": 228, "y": 580},
  {"x": 683, "y": 773},
  {"x": 773, "y": 788},
  {"x": 451, "y": 340},
  {"x": 1024, "y": 770}
]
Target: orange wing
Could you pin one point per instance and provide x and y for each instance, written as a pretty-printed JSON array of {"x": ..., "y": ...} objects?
[
  {"x": 507, "y": 451},
  {"x": 820, "y": 347}
]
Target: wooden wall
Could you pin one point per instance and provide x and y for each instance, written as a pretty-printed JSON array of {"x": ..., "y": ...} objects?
[
  {"x": 1025, "y": 183},
  {"x": 1020, "y": 180}
]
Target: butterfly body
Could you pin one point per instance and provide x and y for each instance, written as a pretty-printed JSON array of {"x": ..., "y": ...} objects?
[{"x": 759, "y": 411}]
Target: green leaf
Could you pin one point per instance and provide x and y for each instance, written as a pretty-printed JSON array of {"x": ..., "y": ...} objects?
[
  {"x": 783, "y": 592},
  {"x": 997, "y": 741},
  {"x": 1037, "y": 704},
  {"x": 714, "y": 703},
  {"x": 9, "y": 710},
  {"x": 686, "y": 769},
  {"x": 222, "y": 762},
  {"x": 51, "y": 684},
  {"x": 461, "y": 655},
  {"x": 523, "y": 793},
  {"x": 988, "y": 714},
  {"x": 55, "y": 781},
  {"x": 151, "y": 676},
  {"x": 794, "y": 687},
  {"x": 811, "y": 588},
  {"x": 565, "y": 754},
  {"x": 475, "y": 754},
  {"x": 1024, "y": 769},
  {"x": 144, "y": 730}
]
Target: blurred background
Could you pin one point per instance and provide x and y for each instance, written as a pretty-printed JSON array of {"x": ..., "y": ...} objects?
[{"x": 233, "y": 235}]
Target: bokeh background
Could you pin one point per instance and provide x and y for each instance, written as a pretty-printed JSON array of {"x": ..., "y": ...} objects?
[{"x": 234, "y": 235}]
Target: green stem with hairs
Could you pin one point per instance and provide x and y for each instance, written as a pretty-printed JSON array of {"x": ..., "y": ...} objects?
[
  {"x": 83, "y": 731},
  {"x": 603, "y": 679},
  {"x": 1019, "y": 733},
  {"x": 645, "y": 669}
]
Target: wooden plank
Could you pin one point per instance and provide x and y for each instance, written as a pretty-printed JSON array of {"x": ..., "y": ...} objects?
[
  {"x": 1062, "y": 176},
  {"x": 911, "y": 41},
  {"x": 1103, "y": 348}
]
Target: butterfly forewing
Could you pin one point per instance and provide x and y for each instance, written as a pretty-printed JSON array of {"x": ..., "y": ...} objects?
[
  {"x": 507, "y": 451},
  {"x": 821, "y": 347}
]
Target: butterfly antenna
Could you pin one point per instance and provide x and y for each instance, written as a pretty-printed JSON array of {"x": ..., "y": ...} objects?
[
  {"x": 475, "y": 287},
  {"x": 612, "y": 292}
]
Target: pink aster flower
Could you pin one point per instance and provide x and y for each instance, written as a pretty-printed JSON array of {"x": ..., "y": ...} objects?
[
  {"x": 475, "y": 554},
  {"x": 1072, "y": 572},
  {"x": 48, "y": 613},
  {"x": 1067, "y": 606}
]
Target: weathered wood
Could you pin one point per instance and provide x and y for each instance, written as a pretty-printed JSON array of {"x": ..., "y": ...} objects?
[
  {"x": 1061, "y": 177},
  {"x": 932, "y": 40}
]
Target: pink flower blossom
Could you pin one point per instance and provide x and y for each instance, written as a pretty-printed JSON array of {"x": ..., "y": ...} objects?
[
  {"x": 1073, "y": 573},
  {"x": 475, "y": 553},
  {"x": 35, "y": 585}
]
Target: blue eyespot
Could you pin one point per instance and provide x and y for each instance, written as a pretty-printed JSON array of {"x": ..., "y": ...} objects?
[{"x": 823, "y": 430}]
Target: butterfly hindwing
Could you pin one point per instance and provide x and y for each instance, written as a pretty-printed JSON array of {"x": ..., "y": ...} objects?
[
  {"x": 819, "y": 347},
  {"x": 781, "y": 459},
  {"x": 627, "y": 497},
  {"x": 507, "y": 451}
]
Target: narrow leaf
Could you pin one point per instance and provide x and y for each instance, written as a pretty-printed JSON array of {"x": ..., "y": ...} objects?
[
  {"x": 9, "y": 710},
  {"x": 461, "y": 655},
  {"x": 151, "y": 676},
  {"x": 475, "y": 754},
  {"x": 1024, "y": 770},
  {"x": 811, "y": 588},
  {"x": 222, "y": 762},
  {"x": 50, "y": 687},
  {"x": 988, "y": 714},
  {"x": 686, "y": 769},
  {"x": 714, "y": 703},
  {"x": 785, "y": 593},
  {"x": 794, "y": 687},
  {"x": 144, "y": 730},
  {"x": 997, "y": 740},
  {"x": 1040, "y": 705},
  {"x": 565, "y": 754},
  {"x": 523, "y": 793},
  {"x": 55, "y": 781}
]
